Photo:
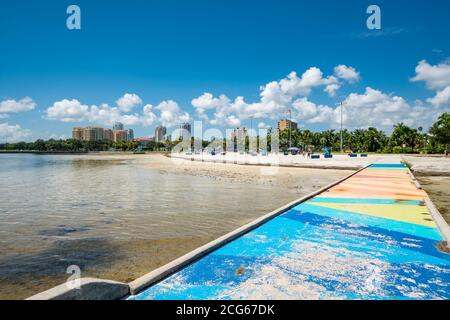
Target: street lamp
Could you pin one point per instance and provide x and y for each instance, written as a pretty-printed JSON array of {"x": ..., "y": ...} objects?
[
  {"x": 341, "y": 104},
  {"x": 290, "y": 128}
]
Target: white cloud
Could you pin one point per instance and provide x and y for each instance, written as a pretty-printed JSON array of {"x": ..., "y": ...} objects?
[
  {"x": 68, "y": 111},
  {"x": 13, "y": 133},
  {"x": 171, "y": 114},
  {"x": 347, "y": 73},
  {"x": 331, "y": 89},
  {"x": 302, "y": 86},
  {"x": 74, "y": 111},
  {"x": 148, "y": 117},
  {"x": 372, "y": 108},
  {"x": 263, "y": 125},
  {"x": 25, "y": 104},
  {"x": 128, "y": 101},
  {"x": 436, "y": 77},
  {"x": 441, "y": 98},
  {"x": 276, "y": 97}
]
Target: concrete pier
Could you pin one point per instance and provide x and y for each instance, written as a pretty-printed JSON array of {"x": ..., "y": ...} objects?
[{"x": 371, "y": 236}]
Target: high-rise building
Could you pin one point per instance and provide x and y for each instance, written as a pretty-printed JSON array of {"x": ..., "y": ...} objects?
[
  {"x": 130, "y": 134},
  {"x": 239, "y": 133},
  {"x": 77, "y": 133},
  {"x": 93, "y": 133},
  {"x": 120, "y": 135},
  {"x": 185, "y": 131},
  {"x": 118, "y": 126},
  {"x": 160, "y": 132},
  {"x": 108, "y": 134},
  {"x": 283, "y": 124}
]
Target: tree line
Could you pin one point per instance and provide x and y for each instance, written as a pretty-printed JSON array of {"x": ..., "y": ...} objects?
[
  {"x": 72, "y": 145},
  {"x": 403, "y": 139}
]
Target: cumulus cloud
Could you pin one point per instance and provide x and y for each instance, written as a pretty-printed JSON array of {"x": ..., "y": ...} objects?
[
  {"x": 74, "y": 111},
  {"x": 263, "y": 125},
  {"x": 25, "y": 104},
  {"x": 128, "y": 101},
  {"x": 436, "y": 77},
  {"x": 276, "y": 97},
  {"x": 442, "y": 98},
  {"x": 148, "y": 117},
  {"x": 171, "y": 114},
  {"x": 347, "y": 73},
  {"x": 13, "y": 133},
  {"x": 371, "y": 108},
  {"x": 68, "y": 111}
]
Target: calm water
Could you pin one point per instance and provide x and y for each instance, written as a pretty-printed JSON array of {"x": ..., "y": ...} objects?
[{"x": 115, "y": 219}]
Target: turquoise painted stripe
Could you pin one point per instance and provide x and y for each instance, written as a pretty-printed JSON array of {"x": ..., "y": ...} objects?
[
  {"x": 363, "y": 201},
  {"x": 388, "y": 165},
  {"x": 365, "y": 219}
]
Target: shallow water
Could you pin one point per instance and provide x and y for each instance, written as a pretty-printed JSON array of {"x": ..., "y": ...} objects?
[{"x": 114, "y": 218}]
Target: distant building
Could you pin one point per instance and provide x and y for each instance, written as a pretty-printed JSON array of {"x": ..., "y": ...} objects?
[
  {"x": 93, "y": 133},
  {"x": 120, "y": 135},
  {"x": 160, "y": 132},
  {"x": 108, "y": 134},
  {"x": 77, "y": 133},
  {"x": 239, "y": 133},
  {"x": 283, "y": 124},
  {"x": 144, "y": 140},
  {"x": 185, "y": 131},
  {"x": 118, "y": 126},
  {"x": 130, "y": 134}
]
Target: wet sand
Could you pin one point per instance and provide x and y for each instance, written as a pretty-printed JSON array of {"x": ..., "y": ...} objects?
[
  {"x": 433, "y": 173},
  {"x": 133, "y": 231},
  {"x": 438, "y": 189}
]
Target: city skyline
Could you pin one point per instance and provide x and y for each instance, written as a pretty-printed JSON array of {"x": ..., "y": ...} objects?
[{"x": 280, "y": 57}]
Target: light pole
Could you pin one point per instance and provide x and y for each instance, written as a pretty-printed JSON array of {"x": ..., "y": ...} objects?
[
  {"x": 341, "y": 104},
  {"x": 290, "y": 128},
  {"x": 249, "y": 136}
]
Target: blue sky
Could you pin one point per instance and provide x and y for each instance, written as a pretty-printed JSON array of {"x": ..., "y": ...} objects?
[{"x": 168, "y": 53}]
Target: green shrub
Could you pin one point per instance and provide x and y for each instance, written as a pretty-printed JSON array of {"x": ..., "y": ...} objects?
[{"x": 397, "y": 149}]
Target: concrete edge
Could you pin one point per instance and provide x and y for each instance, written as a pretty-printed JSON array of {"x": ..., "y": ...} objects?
[
  {"x": 414, "y": 179},
  {"x": 89, "y": 289},
  {"x": 159, "y": 274},
  {"x": 442, "y": 225}
]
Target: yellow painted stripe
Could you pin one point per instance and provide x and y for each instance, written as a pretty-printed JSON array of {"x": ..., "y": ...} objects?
[{"x": 411, "y": 214}]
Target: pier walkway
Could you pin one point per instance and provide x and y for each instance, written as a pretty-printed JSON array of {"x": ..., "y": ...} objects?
[{"x": 369, "y": 237}]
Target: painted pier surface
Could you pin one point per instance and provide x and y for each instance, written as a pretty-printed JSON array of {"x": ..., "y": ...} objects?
[{"x": 369, "y": 237}]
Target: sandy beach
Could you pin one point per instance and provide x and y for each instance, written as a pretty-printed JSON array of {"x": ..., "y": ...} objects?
[{"x": 433, "y": 171}]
